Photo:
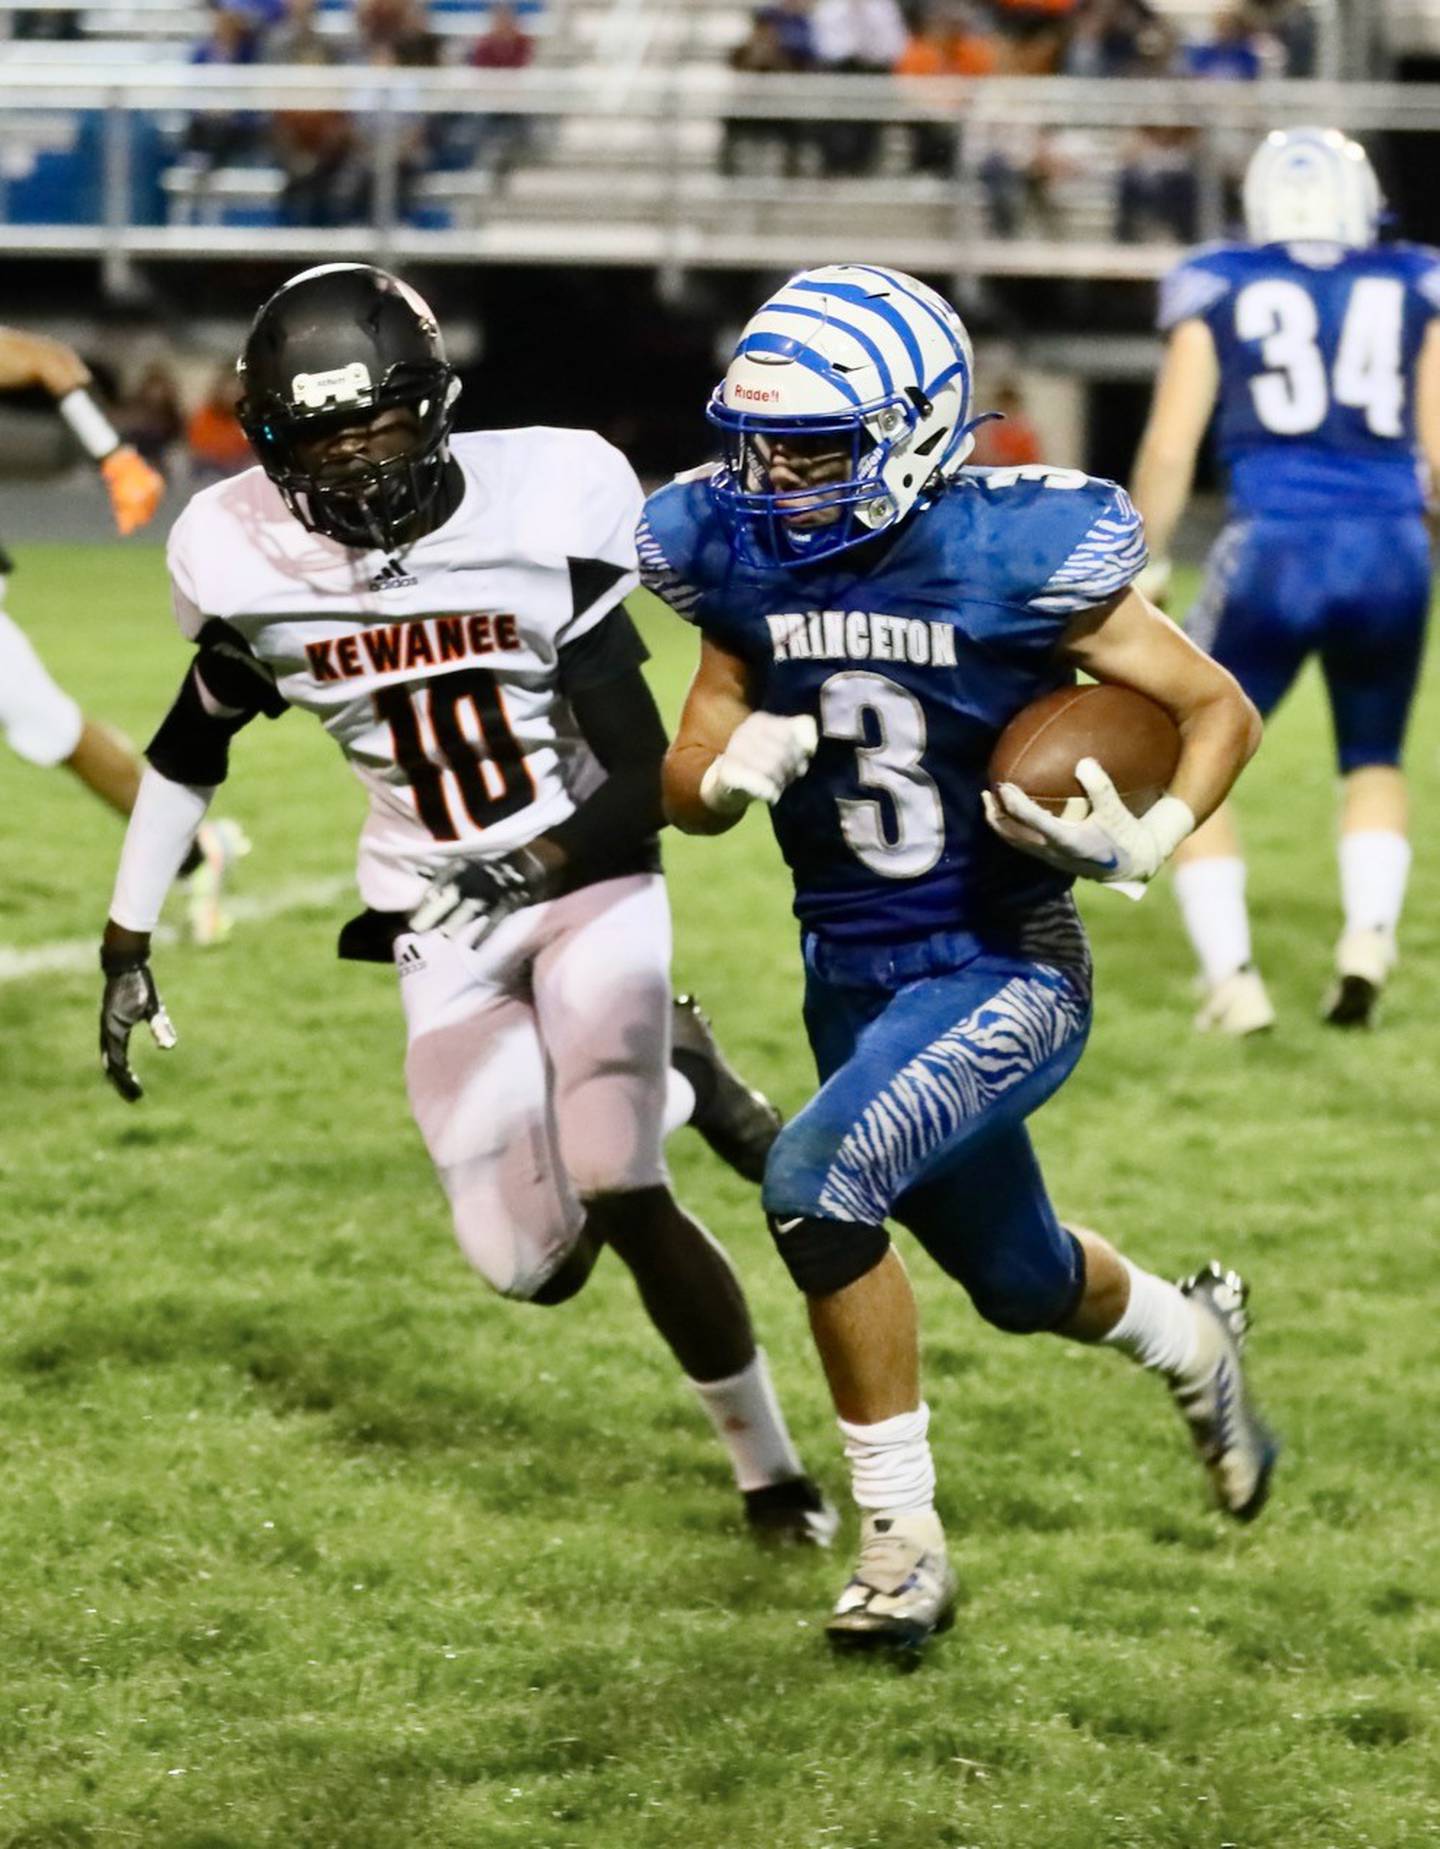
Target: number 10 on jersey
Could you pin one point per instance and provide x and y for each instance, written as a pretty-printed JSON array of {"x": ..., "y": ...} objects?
[{"x": 485, "y": 767}]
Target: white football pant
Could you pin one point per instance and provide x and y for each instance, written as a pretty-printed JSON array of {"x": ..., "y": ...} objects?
[
  {"x": 537, "y": 1067},
  {"x": 40, "y": 722}
]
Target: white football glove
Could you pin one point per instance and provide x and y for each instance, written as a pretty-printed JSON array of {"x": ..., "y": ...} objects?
[
  {"x": 766, "y": 753},
  {"x": 1109, "y": 844}
]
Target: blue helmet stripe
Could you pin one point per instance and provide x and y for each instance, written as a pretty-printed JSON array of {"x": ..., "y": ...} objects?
[
  {"x": 859, "y": 298},
  {"x": 864, "y": 341},
  {"x": 910, "y": 296},
  {"x": 802, "y": 356}
]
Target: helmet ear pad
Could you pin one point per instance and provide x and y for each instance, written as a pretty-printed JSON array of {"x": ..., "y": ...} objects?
[{"x": 335, "y": 347}]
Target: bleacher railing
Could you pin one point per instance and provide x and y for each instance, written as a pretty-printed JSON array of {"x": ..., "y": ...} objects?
[{"x": 628, "y": 171}]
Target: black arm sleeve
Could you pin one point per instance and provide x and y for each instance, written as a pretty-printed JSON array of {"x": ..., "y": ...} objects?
[
  {"x": 193, "y": 744},
  {"x": 613, "y": 829}
]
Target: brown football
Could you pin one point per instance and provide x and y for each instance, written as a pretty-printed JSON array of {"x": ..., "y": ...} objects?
[{"x": 1135, "y": 740}]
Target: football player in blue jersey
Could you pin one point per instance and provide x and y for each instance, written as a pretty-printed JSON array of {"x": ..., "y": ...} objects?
[
  {"x": 872, "y": 614},
  {"x": 1320, "y": 349}
]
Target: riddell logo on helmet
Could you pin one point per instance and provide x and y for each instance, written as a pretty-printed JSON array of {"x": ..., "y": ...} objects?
[{"x": 756, "y": 397}]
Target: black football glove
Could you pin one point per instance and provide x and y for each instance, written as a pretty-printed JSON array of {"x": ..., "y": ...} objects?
[
  {"x": 130, "y": 998},
  {"x": 467, "y": 899}
]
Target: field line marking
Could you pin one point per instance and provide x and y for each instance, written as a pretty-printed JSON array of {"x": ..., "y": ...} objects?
[{"x": 81, "y": 955}]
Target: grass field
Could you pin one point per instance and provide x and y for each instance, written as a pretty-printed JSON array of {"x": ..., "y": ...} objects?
[{"x": 309, "y": 1541}]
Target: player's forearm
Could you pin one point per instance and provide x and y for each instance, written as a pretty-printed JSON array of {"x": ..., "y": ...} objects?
[
  {"x": 162, "y": 827},
  {"x": 685, "y": 808},
  {"x": 1219, "y": 735},
  {"x": 1160, "y": 490},
  {"x": 613, "y": 821},
  {"x": 33, "y": 359}
]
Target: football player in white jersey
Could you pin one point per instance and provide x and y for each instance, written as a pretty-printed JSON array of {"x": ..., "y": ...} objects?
[
  {"x": 451, "y": 610},
  {"x": 41, "y": 723}
]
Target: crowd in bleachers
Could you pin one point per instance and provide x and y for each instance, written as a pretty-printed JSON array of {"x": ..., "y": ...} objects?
[
  {"x": 1017, "y": 168},
  {"x": 327, "y": 156}
]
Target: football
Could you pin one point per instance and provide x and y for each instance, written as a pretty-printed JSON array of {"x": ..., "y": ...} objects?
[{"x": 1135, "y": 740}]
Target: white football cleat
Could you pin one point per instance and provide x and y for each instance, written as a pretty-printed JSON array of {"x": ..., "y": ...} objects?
[
  {"x": 1363, "y": 962},
  {"x": 903, "y": 1588},
  {"x": 1237, "y": 1006},
  {"x": 1235, "y": 1445},
  {"x": 221, "y": 844}
]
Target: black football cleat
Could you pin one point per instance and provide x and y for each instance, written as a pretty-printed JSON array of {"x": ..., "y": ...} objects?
[
  {"x": 737, "y": 1122},
  {"x": 795, "y": 1513}
]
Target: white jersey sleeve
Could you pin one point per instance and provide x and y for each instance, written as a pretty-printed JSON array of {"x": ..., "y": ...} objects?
[{"x": 184, "y": 596}]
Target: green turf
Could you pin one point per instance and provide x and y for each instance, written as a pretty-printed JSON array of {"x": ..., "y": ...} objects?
[{"x": 308, "y": 1541}]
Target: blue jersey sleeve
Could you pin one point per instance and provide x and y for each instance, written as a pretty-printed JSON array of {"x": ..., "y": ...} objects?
[
  {"x": 1195, "y": 288},
  {"x": 1055, "y": 542},
  {"x": 672, "y": 542}
]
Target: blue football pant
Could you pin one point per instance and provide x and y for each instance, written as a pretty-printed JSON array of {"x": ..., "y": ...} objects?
[
  {"x": 921, "y": 1117},
  {"x": 1355, "y": 592}
]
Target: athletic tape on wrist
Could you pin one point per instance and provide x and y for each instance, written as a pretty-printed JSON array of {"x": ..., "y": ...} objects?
[{"x": 97, "y": 434}]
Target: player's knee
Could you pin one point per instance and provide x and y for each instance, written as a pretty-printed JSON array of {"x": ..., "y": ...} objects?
[
  {"x": 1029, "y": 1295},
  {"x": 823, "y": 1256},
  {"x": 525, "y": 1264}
]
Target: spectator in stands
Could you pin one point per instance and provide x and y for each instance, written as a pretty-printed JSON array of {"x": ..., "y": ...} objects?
[
  {"x": 497, "y": 142},
  {"x": 1037, "y": 31},
  {"x": 1018, "y": 167},
  {"x": 396, "y": 31},
  {"x": 1111, "y": 38},
  {"x": 860, "y": 38},
  {"x": 217, "y": 444},
  {"x": 1230, "y": 55},
  {"x": 1158, "y": 198},
  {"x": 150, "y": 417},
  {"x": 948, "y": 38},
  {"x": 297, "y": 38},
  {"x": 1289, "y": 27},
  {"x": 794, "y": 28},
  {"x": 761, "y": 143},
  {"x": 1012, "y": 440},
  {"x": 215, "y": 137}
]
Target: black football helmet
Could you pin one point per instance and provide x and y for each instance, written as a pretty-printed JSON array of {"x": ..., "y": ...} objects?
[{"x": 331, "y": 347}]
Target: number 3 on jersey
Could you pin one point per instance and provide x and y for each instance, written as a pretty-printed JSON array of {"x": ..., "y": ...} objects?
[
  {"x": 1293, "y": 395},
  {"x": 428, "y": 732},
  {"x": 892, "y": 766}
]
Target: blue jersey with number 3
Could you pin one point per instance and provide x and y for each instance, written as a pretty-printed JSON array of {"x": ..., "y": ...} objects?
[
  {"x": 1317, "y": 349},
  {"x": 912, "y": 656}
]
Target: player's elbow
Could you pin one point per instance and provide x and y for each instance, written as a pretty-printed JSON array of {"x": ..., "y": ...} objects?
[
  {"x": 1254, "y": 727},
  {"x": 683, "y": 806}
]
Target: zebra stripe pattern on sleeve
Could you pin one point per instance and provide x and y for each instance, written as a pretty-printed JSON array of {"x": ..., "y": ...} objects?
[
  {"x": 657, "y": 574},
  {"x": 1106, "y": 560},
  {"x": 1188, "y": 294},
  {"x": 958, "y": 1077}
]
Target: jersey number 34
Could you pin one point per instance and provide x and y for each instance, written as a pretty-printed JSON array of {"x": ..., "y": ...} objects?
[{"x": 1293, "y": 395}]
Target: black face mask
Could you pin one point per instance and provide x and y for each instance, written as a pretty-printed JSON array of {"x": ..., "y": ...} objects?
[{"x": 380, "y": 505}]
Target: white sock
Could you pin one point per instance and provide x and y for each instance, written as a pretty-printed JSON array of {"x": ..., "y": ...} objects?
[
  {"x": 1374, "y": 865},
  {"x": 679, "y": 1100},
  {"x": 1211, "y": 895},
  {"x": 890, "y": 1463},
  {"x": 749, "y": 1423},
  {"x": 1161, "y": 1328}
]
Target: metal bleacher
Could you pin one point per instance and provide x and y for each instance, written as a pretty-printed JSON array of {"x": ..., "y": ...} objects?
[{"x": 627, "y": 102}]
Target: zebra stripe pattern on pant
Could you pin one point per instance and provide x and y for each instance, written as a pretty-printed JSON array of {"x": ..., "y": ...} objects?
[{"x": 957, "y": 1077}]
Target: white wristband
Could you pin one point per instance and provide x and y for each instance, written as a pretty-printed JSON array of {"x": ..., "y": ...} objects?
[
  {"x": 1169, "y": 820},
  {"x": 98, "y": 436}
]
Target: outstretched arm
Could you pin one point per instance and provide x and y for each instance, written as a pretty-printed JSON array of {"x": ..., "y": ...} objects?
[
  {"x": 1165, "y": 462},
  {"x": 135, "y": 488},
  {"x": 223, "y": 690}
]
